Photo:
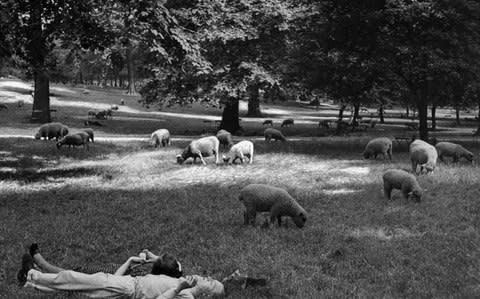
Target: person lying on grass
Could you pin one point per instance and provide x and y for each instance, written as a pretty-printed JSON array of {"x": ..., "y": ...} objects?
[{"x": 166, "y": 280}]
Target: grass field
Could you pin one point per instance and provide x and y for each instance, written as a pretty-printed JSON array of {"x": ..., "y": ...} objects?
[{"x": 106, "y": 204}]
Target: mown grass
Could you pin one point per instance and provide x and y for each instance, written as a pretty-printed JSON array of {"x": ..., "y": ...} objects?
[{"x": 104, "y": 205}]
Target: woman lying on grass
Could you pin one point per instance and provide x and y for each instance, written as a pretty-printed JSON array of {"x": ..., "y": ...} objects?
[{"x": 164, "y": 282}]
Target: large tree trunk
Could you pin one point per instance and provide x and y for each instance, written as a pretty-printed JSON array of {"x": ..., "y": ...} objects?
[
  {"x": 422, "y": 107},
  {"x": 457, "y": 114},
  {"x": 434, "y": 118},
  {"x": 130, "y": 73},
  {"x": 340, "y": 112},
  {"x": 230, "y": 120},
  {"x": 381, "y": 111},
  {"x": 254, "y": 102},
  {"x": 41, "y": 97}
]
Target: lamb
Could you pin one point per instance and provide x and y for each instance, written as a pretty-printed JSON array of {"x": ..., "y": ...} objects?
[
  {"x": 160, "y": 136},
  {"x": 456, "y": 151},
  {"x": 52, "y": 130},
  {"x": 225, "y": 138},
  {"x": 239, "y": 151},
  {"x": 287, "y": 123},
  {"x": 89, "y": 133},
  {"x": 74, "y": 140},
  {"x": 200, "y": 148},
  {"x": 277, "y": 201},
  {"x": 423, "y": 154},
  {"x": 400, "y": 179},
  {"x": 267, "y": 122},
  {"x": 273, "y": 134},
  {"x": 381, "y": 145}
]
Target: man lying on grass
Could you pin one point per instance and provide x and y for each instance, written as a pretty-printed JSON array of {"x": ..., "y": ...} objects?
[{"x": 164, "y": 282}]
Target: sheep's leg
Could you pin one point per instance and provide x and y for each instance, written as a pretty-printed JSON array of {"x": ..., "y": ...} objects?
[
  {"x": 389, "y": 152},
  {"x": 241, "y": 157},
  {"x": 251, "y": 157},
  {"x": 441, "y": 158},
  {"x": 387, "y": 189},
  {"x": 201, "y": 158},
  {"x": 414, "y": 167}
]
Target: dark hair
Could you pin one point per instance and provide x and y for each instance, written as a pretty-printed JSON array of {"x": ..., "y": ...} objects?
[{"x": 168, "y": 265}]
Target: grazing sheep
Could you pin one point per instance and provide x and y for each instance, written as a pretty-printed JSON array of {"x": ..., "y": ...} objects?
[
  {"x": 381, "y": 145},
  {"x": 400, "y": 179},
  {"x": 200, "y": 148},
  {"x": 287, "y": 123},
  {"x": 275, "y": 134},
  {"x": 225, "y": 138},
  {"x": 423, "y": 154},
  {"x": 91, "y": 114},
  {"x": 456, "y": 151},
  {"x": 240, "y": 151},
  {"x": 90, "y": 134},
  {"x": 93, "y": 123},
  {"x": 52, "y": 130},
  {"x": 74, "y": 140},
  {"x": 160, "y": 136},
  {"x": 268, "y": 122},
  {"x": 277, "y": 201},
  {"x": 122, "y": 102},
  {"x": 114, "y": 107}
]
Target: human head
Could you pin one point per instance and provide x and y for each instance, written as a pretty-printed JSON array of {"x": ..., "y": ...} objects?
[{"x": 168, "y": 265}]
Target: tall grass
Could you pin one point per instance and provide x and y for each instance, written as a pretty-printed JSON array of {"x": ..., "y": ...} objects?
[{"x": 104, "y": 205}]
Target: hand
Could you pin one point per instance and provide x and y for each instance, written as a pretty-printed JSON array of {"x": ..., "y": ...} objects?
[
  {"x": 150, "y": 256},
  {"x": 186, "y": 283},
  {"x": 136, "y": 259}
]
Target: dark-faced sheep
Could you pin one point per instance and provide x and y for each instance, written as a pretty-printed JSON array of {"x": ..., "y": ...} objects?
[
  {"x": 200, "y": 148},
  {"x": 76, "y": 139},
  {"x": 400, "y": 179},
  {"x": 225, "y": 138},
  {"x": 381, "y": 145},
  {"x": 160, "y": 136},
  {"x": 453, "y": 150},
  {"x": 240, "y": 151},
  {"x": 423, "y": 154},
  {"x": 89, "y": 133},
  {"x": 52, "y": 130},
  {"x": 274, "y": 134},
  {"x": 264, "y": 198},
  {"x": 268, "y": 122},
  {"x": 287, "y": 123}
]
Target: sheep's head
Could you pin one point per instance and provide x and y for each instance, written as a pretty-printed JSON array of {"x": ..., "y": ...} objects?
[
  {"x": 37, "y": 136},
  {"x": 59, "y": 144},
  {"x": 300, "y": 219},
  {"x": 366, "y": 155},
  {"x": 415, "y": 195},
  {"x": 469, "y": 156},
  {"x": 180, "y": 159}
]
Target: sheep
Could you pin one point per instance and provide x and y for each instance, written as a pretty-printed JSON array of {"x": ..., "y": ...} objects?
[
  {"x": 91, "y": 114},
  {"x": 456, "y": 151},
  {"x": 160, "y": 136},
  {"x": 114, "y": 107},
  {"x": 52, "y": 130},
  {"x": 400, "y": 179},
  {"x": 225, "y": 138},
  {"x": 74, "y": 140},
  {"x": 273, "y": 134},
  {"x": 381, "y": 145},
  {"x": 89, "y": 133},
  {"x": 277, "y": 201},
  {"x": 268, "y": 122},
  {"x": 200, "y": 148},
  {"x": 239, "y": 151},
  {"x": 287, "y": 123},
  {"x": 93, "y": 123},
  {"x": 423, "y": 154},
  {"x": 122, "y": 102}
]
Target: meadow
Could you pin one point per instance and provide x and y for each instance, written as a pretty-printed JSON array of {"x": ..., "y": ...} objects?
[{"x": 104, "y": 205}]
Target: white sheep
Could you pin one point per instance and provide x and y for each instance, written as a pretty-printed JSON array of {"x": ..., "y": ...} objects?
[
  {"x": 275, "y": 134},
  {"x": 76, "y": 139},
  {"x": 456, "y": 151},
  {"x": 277, "y": 201},
  {"x": 160, "y": 136},
  {"x": 400, "y": 179},
  {"x": 52, "y": 130},
  {"x": 239, "y": 151},
  {"x": 200, "y": 148},
  {"x": 90, "y": 133},
  {"x": 423, "y": 154},
  {"x": 381, "y": 145},
  {"x": 225, "y": 138}
]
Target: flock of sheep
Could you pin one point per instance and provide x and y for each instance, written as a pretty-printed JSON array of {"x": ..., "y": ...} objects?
[{"x": 264, "y": 198}]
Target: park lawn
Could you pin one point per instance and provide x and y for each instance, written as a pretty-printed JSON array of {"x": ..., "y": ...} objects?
[{"x": 109, "y": 203}]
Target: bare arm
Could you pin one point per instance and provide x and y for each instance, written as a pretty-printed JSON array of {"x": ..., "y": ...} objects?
[
  {"x": 185, "y": 283},
  {"x": 124, "y": 267}
]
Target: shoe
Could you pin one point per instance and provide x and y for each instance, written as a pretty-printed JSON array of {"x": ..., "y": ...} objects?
[
  {"x": 33, "y": 249},
  {"x": 27, "y": 264}
]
